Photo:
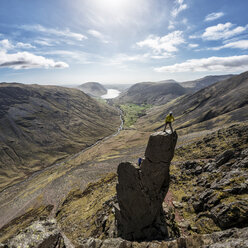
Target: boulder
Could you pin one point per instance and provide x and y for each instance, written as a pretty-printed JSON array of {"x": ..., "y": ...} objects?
[
  {"x": 141, "y": 191},
  {"x": 231, "y": 214},
  {"x": 41, "y": 234},
  {"x": 224, "y": 157}
]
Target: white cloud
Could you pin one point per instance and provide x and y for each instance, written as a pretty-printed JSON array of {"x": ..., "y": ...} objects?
[
  {"x": 165, "y": 45},
  {"x": 5, "y": 45},
  {"x": 171, "y": 25},
  {"x": 213, "y": 16},
  {"x": 222, "y": 31},
  {"x": 51, "y": 31},
  {"x": 120, "y": 58},
  {"x": 26, "y": 60},
  {"x": 74, "y": 56},
  {"x": 24, "y": 45},
  {"x": 98, "y": 35},
  {"x": 240, "y": 44},
  {"x": 180, "y": 6},
  {"x": 193, "y": 45},
  {"x": 232, "y": 63}
]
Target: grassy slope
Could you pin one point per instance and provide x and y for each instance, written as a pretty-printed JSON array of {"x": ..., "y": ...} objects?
[
  {"x": 42, "y": 124},
  {"x": 151, "y": 93},
  {"x": 128, "y": 146},
  {"x": 214, "y": 106}
]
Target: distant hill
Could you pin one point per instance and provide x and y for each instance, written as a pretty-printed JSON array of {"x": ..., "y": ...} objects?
[
  {"x": 42, "y": 124},
  {"x": 204, "y": 82},
  {"x": 152, "y": 93},
  {"x": 93, "y": 89},
  {"x": 220, "y": 103}
]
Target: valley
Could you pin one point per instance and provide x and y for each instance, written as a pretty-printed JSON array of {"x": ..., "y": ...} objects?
[{"x": 201, "y": 141}]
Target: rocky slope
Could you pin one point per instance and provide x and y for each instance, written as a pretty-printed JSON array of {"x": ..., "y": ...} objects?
[
  {"x": 41, "y": 124},
  {"x": 93, "y": 89},
  {"x": 211, "y": 161},
  {"x": 151, "y": 93},
  {"x": 209, "y": 206},
  {"x": 218, "y": 104},
  {"x": 211, "y": 189},
  {"x": 204, "y": 82}
]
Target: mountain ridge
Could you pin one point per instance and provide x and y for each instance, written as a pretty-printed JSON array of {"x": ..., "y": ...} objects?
[
  {"x": 94, "y": 89},
  {"x": 41, "y": 124}
]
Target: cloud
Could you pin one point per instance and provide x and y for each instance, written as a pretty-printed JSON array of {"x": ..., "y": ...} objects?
[
  {"x": 51, "y": 31},
  {"x": 74, "y": 56},
  {"x": 26, "y": 60},
  {"x": 165, "y": 45},
  {"x": 98, "y": 35},
  {"x": 6, "y": 45},
  {"x": 240, "y": 44},
  {"x": 222, "y": 31},
  {"x": 213, "y": 16},
  {"x": 122, "y": 58},
  {"x": 180, "y": 6},
  {"x": 193, "y": 45},
  {"x": 171, "y": 25},
  {"x": 232, "y": 63},
  {"x": 24, "y": 45}
]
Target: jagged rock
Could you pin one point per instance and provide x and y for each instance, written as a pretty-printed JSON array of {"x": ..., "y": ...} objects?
[
  {"x": 229, "y": 215},
  {"x": 41, "y": 234},
  {"x": 141, "y": 190},
  {"x": 224, "y": 157},
  {"x": 231, "y": 238}
]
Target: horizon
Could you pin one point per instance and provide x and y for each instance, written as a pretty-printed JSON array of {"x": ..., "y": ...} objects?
[{"x": 121, "y": 42}]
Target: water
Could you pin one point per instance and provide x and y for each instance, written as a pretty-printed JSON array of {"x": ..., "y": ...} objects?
[{"x": 112, "y": 93}]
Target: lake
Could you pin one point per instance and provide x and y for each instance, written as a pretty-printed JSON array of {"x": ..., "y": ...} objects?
[{"x": 111, "y": 93}]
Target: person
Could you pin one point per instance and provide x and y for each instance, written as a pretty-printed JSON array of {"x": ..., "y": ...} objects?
[
  {"x": 139, "y": 161},
  {"x": 168, "y": 120}
]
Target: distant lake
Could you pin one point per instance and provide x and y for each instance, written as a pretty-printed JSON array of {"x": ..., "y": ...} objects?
[{"x": 111, "y": 93}]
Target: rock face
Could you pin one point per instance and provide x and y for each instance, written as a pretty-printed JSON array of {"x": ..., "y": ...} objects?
[
  {"x": 225, "y": 239},
  {"x": 41, "y": 234},
  {"x": 141, "y": 191}
]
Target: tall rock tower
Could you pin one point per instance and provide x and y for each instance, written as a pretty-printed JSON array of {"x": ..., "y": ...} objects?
[{"x": 141, "y": 191}]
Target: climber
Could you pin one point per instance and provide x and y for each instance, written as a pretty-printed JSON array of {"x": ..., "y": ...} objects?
[
  {"x": 168, "y": 120},
  {"x": 139, "y": 161}
]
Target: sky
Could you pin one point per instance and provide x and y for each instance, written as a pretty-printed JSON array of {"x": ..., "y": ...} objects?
[{"x": 121, "y": 41}]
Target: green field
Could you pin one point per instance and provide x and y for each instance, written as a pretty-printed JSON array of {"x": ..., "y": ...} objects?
[{"x": 132, "y": 112}]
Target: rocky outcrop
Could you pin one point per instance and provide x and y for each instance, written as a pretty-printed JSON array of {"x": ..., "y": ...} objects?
[
  {"x": 141, "y": 191},
  {"x": 225, "y": 239},
  {"x": 214, "y": 195},
  {"x": 41, "y": 234}
]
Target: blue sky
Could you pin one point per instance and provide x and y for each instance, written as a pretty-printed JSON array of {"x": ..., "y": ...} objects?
[{"x": 121, "y": 41}]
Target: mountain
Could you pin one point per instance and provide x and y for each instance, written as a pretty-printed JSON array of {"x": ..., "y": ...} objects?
[
  {"x": 204, "y": 82},
  {"x": 41, "y": 124},
  {"x": 207, "y": 198},
  {"x": 218, "y": 103},
  {"x": 93, "y": 89},
  {"x": 152, "y": 93}
]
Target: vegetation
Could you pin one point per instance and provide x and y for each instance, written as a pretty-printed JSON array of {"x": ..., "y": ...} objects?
[
  {"x": 41, "y": 125},
  {"x": 89, "y": 213},
  {"x": 20, "y": 223},
  {"x": 132, "y": 112}
]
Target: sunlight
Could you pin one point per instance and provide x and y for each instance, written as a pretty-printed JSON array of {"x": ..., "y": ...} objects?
[{"x": 114, "y": 13}]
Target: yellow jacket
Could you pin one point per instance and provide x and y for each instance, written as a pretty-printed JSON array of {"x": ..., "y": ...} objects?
[{"x": 169, "y": 118}]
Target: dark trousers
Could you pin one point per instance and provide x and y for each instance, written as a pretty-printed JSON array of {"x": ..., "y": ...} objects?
[{"x": 168, "y": 123}]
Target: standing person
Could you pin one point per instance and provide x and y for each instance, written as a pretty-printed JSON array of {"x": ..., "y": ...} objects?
[{"x": 168, "y": 120}]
